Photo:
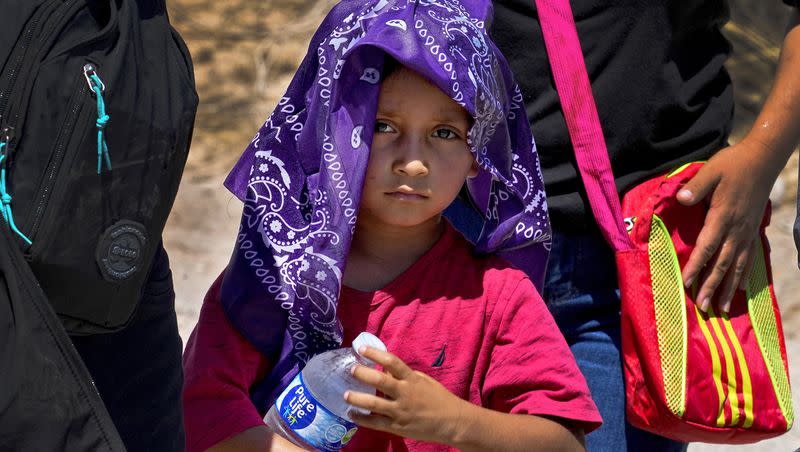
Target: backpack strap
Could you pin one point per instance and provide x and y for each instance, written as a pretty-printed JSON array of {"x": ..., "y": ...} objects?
[{"x": 575, "y": 93}]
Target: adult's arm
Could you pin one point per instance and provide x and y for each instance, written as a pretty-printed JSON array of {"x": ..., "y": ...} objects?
[{"x": 736, "y": 183}]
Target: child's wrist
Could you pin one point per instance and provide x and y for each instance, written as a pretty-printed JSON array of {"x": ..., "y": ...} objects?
[{"x": 461, "y": 422}]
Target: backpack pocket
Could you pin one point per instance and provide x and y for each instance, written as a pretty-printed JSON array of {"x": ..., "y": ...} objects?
[
  {"x": 74, "y": 127},
  {"x": 109, "y": 107}
]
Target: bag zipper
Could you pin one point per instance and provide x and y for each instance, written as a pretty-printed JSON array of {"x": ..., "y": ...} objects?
[
  {"x": 5, "y": 203},
  {"x": 68, "y": 129},
  {"x": 97, "y": 87},
  {"x": 48, "y": 20},
  {"x": 17, "y": 64},
  {"x": 21, "y": 52},
  {"x": 24, "y": 55}
]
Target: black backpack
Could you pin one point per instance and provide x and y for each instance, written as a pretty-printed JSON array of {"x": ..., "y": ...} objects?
[
  {"x": 97, "y": 105},
  {"x": 47, "y": 399}
]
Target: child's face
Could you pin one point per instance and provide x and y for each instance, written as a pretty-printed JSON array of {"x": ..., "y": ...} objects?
[{"x": 419, "y": 157}]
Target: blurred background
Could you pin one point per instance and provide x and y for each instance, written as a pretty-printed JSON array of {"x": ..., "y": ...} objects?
[{"x": 245, "y": 53}]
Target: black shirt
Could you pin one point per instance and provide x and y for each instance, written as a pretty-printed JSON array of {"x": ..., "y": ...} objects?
[{"x": 662, "y": 93}]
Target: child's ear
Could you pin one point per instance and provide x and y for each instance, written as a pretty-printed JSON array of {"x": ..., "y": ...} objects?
[{"x": 473, "y": 171}]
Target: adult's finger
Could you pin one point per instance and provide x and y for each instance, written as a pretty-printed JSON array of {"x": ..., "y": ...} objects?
[
  {"x": 708, "y": 241},
  {"x": 717, "y": 270},
  {"x": 703, "y": 183},
  {"x": 731, "y": 282},
  {"x": 748, "y": 270}
]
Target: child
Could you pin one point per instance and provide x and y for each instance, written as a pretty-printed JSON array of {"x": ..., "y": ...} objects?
[{"x": 396, "y": 106}]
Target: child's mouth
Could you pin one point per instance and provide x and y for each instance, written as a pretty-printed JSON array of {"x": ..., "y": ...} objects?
[{"x": 406, "y": 196}]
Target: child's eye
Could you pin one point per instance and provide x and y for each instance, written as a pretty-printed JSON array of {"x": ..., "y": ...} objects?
[
  {"x": 382, "y": 127},
  {"x": 445, "y": 134}
]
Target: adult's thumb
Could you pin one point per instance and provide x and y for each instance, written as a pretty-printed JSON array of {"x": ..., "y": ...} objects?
[{"x": 697, "y": 188}]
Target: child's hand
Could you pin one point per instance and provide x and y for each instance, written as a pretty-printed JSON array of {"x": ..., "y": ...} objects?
[{"x": 414, "y": 405}]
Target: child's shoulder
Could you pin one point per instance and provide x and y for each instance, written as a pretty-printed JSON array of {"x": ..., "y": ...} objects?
[{"x": 492, "y": 270}]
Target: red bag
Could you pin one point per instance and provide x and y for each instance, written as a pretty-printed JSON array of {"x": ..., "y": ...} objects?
[
  {"x": 694, "y": 376},
  {"x": 690, "y": 376}
]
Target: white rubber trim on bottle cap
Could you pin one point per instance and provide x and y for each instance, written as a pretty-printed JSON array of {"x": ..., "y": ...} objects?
[{"x": 367, "y": 340}]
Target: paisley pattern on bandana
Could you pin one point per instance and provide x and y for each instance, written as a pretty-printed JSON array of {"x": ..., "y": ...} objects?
[{"x": 301, "y": 176}]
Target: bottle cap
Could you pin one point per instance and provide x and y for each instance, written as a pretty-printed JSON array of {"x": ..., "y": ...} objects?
[{"x": 367, "y": 340}]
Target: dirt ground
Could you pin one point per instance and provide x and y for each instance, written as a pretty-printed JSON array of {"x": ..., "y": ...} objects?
[{"x": 245, "y": 53}]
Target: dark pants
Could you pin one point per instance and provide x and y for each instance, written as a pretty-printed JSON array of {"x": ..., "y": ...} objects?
[
  {"x": 138, "y": 370},
  {"x": 582, "y": 293}
]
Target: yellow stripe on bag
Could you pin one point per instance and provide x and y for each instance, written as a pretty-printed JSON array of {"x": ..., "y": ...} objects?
[
  {"x": 765, "y": 327},
  {"x": 747, "y": 387},
  {"x": 716, "y": 367},
  {"x": 730, "y": 367},
  {"x": 679, "y": 170},
  {"x": 669, "y": 300}
]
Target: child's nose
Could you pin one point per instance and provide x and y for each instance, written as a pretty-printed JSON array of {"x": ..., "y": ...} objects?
[
  {"x": 410, "y": 160},
  {"x": 411, "y": 168}
]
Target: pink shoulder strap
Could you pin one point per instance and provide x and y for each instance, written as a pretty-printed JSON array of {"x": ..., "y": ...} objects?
[{"x": 583, "y": 123}]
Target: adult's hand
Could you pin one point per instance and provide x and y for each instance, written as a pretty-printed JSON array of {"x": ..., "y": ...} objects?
[{"x": 735, "y": 184}]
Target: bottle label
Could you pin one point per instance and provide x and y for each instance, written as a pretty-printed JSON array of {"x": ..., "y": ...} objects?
[{"x": 311, "y": 421}]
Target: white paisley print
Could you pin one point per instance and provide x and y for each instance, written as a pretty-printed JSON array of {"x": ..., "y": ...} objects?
[{"x": 301, "y": 176}]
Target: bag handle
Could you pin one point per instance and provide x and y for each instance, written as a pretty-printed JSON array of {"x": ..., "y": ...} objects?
[{"x": 575, "y": 93}]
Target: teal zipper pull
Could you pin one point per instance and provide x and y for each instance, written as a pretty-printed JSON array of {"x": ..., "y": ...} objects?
[
  {"x": 98, "y": 88},
  {"x": 5, "y": 197}
]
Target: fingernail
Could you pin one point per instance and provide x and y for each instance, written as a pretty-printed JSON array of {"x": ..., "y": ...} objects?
[
  {"x": 353, "y": 369},
  {"x": 743, "y": 284},
  {"x": 362, "y": 349},
  {"x": 685, "y": 194},
  {"x": 346, "y": 395},
  {"x": 726, "y": 307},
  {"x": 688, "y": 282},
  {"x": 704, "y": 304}
]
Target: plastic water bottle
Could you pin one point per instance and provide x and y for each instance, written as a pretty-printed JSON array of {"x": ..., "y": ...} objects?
[{"x": 311, "y": 412}]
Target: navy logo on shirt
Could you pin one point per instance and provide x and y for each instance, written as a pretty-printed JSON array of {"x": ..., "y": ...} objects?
[{"x": 440, "y": 359}]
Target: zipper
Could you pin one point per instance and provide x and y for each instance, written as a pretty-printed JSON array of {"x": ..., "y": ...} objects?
[
  {"x": 68, "y": 129},
  {"x": 48, "y": 19},
  {"x": 22, "y": 51},
  {"x": 89, "y": 73},
  {"x": 97, "y": 87},
  {"x": 6, "y": 93},
  {"x": 56, "y": 13},
  {"x": 7, "y": 139}
]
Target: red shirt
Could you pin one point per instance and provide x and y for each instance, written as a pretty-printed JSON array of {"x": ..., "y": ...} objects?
[{"x": 475, "y": 324}]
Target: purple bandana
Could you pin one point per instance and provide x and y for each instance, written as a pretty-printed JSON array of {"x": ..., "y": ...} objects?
[{"x": 301, "y": 176}]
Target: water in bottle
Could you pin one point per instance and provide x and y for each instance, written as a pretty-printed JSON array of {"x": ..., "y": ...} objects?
[{"x": 311, "y": 412}]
